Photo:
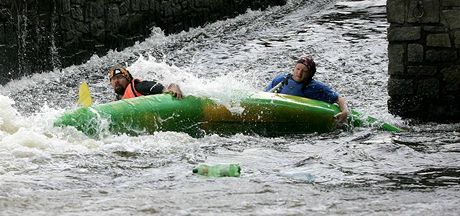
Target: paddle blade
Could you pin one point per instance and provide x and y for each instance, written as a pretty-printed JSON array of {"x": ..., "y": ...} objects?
[{"x": 84, "y": 97}]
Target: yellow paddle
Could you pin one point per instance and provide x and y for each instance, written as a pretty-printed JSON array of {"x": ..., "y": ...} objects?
[{"x": 84, "y": 97}]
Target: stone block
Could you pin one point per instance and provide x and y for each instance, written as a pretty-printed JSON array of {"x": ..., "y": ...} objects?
[
  {"x": 404, "y": 105},
  {"x": 63, "y": 6},
  {"x": 396, "y": 11},
  {"x": 415, "y": 53},
  {"x": 451, "y": 78},
  {"x": 450, "y": 3},
  {"x": 199, "y": 3},
  {"x": 66, "y": 23},
  {"x": 2, "y": 34},
  {"x": 451, "y": 18},
  {"x": 97, "y": 24},
  {"x": 113, "y": 18},
  {"x": 441, "y": 55},
  {"x": 404, "y": 33},
  {"x": 71, "y": 35},
  {"x": 82, "y": 54},
  {"x": 438, "y": 40},
  {"x": 457, "y": 39},
  {"x": 177, "y": 9},
  {"x": 186, "y": 4},
  {"x": 44, "y": 20},
  {"x": 168, "y": 11},
  {"x": 157, "y": 10},
  {"x": 144, "y": 5},
  {"x": 396, "y": 53},
  {"x": 124, "y": 7},
  {"x": 135, "y": 5},
  {"x": 11, "y": 38},
  {"x": 134, "y": 39},
  {"x": 97, "y": 29},
  {"x": 400, "y": 87},
  {"x": 421, "y": 70},
  {"x": 77, "y": 13},
  {"x": 87, "y": 44},
  {"x": 100, "y": 49},
  {"x": 428, "y": 88},
  {"x": 435, "y": 29},
  {"x": 95, "y": 9},
  {"x": 152, "y": 4},
  {"x": 5, "y": 14},
  {"x": 431, "y": 12},
  {"x": 77, "y": 2},
  {"x": 82, "y": 27},
  {"x": 132, "y": 23},
  {"x": 44, "y": 6},
  {"x": 111, "y": 40}
]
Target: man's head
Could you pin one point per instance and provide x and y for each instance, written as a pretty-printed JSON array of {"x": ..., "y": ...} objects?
[
  {"x": 304, "y": 69},
  {"x": 119, "y": 79}
]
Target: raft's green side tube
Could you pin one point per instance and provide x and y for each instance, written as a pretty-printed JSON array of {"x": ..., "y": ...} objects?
[
  {"x": 264, "y": 113},
  {"x": 138, "y": 115}
]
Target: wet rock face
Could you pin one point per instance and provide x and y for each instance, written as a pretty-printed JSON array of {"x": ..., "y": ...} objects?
[
  {"x": 424, "y": 59},
  {"x": 41, "y": 35}
]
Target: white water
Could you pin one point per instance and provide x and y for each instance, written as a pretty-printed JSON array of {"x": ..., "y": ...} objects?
[{"x": 59, "y": 171}]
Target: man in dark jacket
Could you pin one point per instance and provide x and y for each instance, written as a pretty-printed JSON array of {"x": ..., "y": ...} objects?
[{"x": 125, "y": 86}]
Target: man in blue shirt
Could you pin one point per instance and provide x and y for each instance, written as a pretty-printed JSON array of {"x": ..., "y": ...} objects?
[{"x": 301, "y": 83}]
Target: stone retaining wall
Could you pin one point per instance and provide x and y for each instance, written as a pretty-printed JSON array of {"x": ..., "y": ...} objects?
[
  {"x": 424, "y": 59},
  {"x": 39, "y": 35}
]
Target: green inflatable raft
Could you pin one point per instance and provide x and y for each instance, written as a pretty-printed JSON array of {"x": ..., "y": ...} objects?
[{"x": 266, "y": 114}]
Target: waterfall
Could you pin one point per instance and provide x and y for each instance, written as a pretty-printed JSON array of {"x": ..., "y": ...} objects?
[
  {"x": 22, "y": 33},
  {"x": 55, "y": 58}
]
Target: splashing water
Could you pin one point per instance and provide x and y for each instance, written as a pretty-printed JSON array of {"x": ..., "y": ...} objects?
[
  {"x": 224, "y": 89},
  {"x": 8, "y": 115},
  {"x": 51, "y": 170}
]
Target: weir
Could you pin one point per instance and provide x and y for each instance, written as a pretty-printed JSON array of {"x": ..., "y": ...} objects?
[
  {"x": 423, "y": 51},
  {"x": 60, "y": 171},
  {"x": 41, "y": 35},
  {"x": 424, "y": 59}
]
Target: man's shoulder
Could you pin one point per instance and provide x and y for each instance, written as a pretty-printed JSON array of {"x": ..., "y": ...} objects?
[
  {"x": 149, "y": 87},
  {"x": 318, "y": 84},
  {"x": 144, "y": 82},
  {"x": 280, "y": 77}
]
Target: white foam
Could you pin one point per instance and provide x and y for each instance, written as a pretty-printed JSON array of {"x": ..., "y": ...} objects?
[
  {"x": 225, "y": 88},
  {"x": 9, "y": 117},
  {"x": 363, "y": 4}
]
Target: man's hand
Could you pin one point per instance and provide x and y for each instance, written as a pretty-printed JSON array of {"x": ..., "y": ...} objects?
[
  {"x": 341, "y": 116},
  {"x": 174, "y": 90}
]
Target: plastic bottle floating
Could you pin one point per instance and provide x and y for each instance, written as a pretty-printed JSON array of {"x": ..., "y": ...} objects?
[{"x": 218, "y": 170}]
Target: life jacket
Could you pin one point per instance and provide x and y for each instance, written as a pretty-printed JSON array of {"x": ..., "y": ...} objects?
[
  {"x": 130, "y": 91},
  {"x": 285, "y": 82}
]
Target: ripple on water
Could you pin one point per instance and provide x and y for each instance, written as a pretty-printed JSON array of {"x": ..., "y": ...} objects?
[{"x": 359, "y": 172}]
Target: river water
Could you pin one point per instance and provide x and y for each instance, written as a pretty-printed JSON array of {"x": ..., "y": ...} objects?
[{"x": 60, "y": 171}]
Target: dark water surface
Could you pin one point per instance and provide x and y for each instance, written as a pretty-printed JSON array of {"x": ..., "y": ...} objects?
[{"x": 59, "y": 171}]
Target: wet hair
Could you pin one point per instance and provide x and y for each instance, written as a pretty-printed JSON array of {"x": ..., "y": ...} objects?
[{"x": 309, "y": 63}]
